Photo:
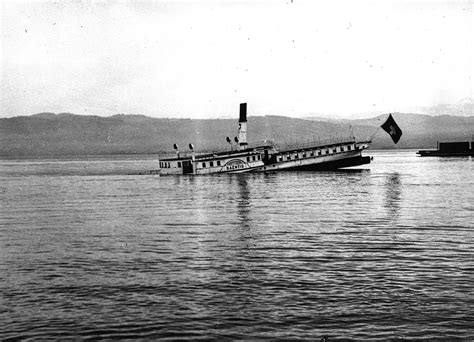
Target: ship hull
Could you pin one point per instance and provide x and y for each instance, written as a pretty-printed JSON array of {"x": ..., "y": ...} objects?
[
  {"x": 435, "y": 153},
  {"x": 329, "y": 165},
  {"x": 322, "y": 163}
]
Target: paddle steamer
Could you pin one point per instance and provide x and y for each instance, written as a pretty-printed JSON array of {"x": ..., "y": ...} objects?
[{"x": 266, "y": 156}]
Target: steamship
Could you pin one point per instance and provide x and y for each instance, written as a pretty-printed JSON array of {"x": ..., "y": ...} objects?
[{"x": 266, "y": 156}]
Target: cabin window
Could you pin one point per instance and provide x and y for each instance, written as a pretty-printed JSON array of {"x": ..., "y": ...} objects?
[
  {"x": 334, "y": 150},
  {"x": 327, "y": 151},
  {"x": 179, "y": 164},
  {"x": 248, "y": 158},
  {"x": 319, "y": 152},
  {"x": 254, "y": 158},
  {"x": 203, "y": 164},
  {"x": 258, "y": 157},
  {"x": 279, "y": 158},
  {"x": 211, "y": 164},
  {"x": 311, "y": 154},
  {"x": 349, "y": 147},
  {"x": 218, "y": 163}
]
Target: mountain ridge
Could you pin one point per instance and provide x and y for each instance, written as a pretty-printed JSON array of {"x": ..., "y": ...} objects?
[{"x": 63, "y": 134}]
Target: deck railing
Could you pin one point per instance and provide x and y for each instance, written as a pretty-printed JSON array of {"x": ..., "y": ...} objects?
[
  {"x": 315, "y": 143},
  {"x": 232, "y": 148}
]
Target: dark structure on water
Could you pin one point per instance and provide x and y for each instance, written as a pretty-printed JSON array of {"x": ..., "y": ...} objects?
[{"x": 450, "y": 149}]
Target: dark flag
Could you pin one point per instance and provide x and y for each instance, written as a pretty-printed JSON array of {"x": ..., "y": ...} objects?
[{"x": 391, "y": 127}]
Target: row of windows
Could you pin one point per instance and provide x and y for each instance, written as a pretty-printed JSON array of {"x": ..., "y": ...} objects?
[
  {"x": 218, "y": 162},
  {"x": 254, "y": 158},
  {"x": 211, "y": 164},
  {"x": 280, "y": 158},
  {"x": 315, "y": 153},
  {"x": 168, "y": 165}
]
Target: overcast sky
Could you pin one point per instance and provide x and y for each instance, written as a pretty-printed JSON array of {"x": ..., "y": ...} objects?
[{"x": 201, "y": 59}]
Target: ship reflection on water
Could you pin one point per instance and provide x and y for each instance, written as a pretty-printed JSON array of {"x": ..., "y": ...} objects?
[
  {"x": 243, "y": 202},
  {"x": 393, "y": 195}
]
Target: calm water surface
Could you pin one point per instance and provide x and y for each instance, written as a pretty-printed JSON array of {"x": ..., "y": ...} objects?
[{"x": 90, "y": 249}]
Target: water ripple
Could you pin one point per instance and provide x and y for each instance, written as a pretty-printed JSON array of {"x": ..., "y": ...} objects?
[{"x": 90, "y": 253}]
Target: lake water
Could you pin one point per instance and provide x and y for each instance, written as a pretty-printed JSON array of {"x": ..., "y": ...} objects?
[{"x": 90, "y": 249}]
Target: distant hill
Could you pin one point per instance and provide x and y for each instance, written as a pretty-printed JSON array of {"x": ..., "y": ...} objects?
[{"x": 49, "y": 134}]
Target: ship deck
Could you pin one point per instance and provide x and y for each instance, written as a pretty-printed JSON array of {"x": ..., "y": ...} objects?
[{"x": 258, "y": 147}]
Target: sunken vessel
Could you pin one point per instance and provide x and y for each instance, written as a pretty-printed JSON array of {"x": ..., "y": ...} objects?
[{"x": 266, "y": 156}]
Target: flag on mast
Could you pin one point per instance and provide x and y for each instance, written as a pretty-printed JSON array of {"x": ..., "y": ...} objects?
[{"x": 391, "y": 127}]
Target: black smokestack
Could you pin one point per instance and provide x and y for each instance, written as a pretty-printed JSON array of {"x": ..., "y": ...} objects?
[{"x": 243, "y": 112}]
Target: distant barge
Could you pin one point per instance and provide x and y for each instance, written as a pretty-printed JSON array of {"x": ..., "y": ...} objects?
[
  {"x": 266, "y": 156},
  {"x": 450, "y": 149}
]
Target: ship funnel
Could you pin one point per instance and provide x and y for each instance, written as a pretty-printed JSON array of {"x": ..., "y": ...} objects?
[
  {"x": 243, "y": 125},
  {"x": 243, "y": 112}
]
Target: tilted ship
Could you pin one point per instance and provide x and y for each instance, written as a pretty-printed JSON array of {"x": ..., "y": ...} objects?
[{"x": 267, "y": 156}]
